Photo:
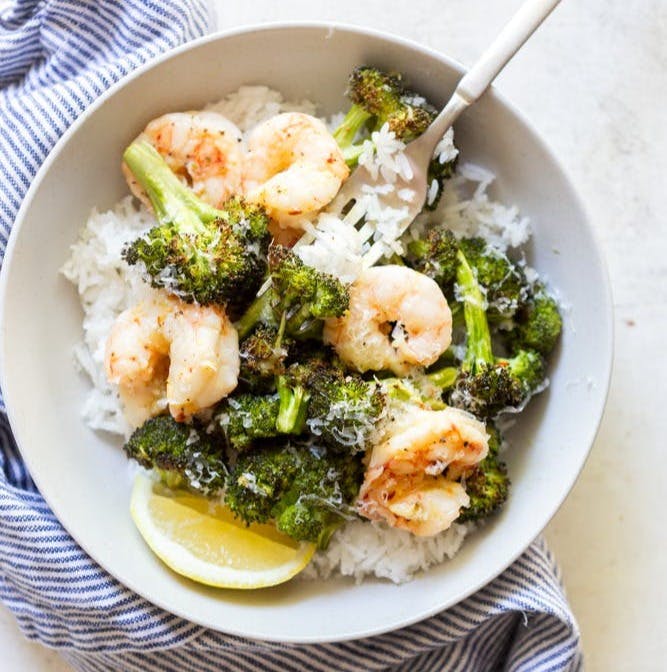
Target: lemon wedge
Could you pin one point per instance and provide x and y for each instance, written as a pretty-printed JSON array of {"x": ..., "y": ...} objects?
[{"x": 201, "y": 539}]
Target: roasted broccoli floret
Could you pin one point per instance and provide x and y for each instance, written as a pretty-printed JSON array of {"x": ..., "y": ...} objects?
[
  {"x": 384, "y": 96},
  {"x": 197, "y": 252},
  {"x": 292, "y": 380},
  {"x": 487, "y": 484},
  {"x": 526, "y": 367},
  {"x": 505, "y": 284},
  {"x": 380, "y": 98},
  {"x": 484, "y": 285},
  {"x": 538, "y": 324},
  {"x": 183, "y": 454},
  {"x": 244, "y": 418},
  {"x": 247, "y": 417},
  {"x": 294, "y": 396},
  {"x": 299, "y": 297},
  {"x": 436, "y": 256},
  {"x": 343, "y": 410},
  {"x": 295, "y": 386},
  {"x": 306, "y": 295},
  {"x": 306, "y": 489},
  {"x": 263, "y": 355},
  {"x": 487, "y": 385}
]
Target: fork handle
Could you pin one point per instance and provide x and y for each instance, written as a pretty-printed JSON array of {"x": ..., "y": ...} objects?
[
  {"x": 473, "y": 84},
  {"x": 511, "y": 38}
]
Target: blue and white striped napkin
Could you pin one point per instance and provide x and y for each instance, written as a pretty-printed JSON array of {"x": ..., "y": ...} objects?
[{"x": 56, "y": 57}]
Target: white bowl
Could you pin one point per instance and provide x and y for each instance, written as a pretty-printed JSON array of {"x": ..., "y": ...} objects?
[{"x": 84, "y": 475}]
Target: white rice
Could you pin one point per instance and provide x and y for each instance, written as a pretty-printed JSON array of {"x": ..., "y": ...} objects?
[
  {"x": 251, "y": 105},
  {"x": 469, "y": 211},
  {"x": 363, "y": 549},
  {"x": 107, "y": 286},
  {"x": 337, "y": 246}
]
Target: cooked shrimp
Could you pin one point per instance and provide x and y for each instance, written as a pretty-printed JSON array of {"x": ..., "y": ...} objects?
[
  {"x": 136, "y": 359},
  {"x": 398, "y": 319},
  {"x": 204, "y": 148},
  {"x": 405, "y": 482},
  {"x": 167, "y": 352},
  {"x": 294, "y": 166}
]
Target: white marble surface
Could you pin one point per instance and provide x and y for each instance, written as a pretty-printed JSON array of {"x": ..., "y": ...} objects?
[{"x": 594, "y": 83}]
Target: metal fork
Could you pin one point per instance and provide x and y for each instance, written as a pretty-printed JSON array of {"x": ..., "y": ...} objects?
[{"x": 419, "y": 152}]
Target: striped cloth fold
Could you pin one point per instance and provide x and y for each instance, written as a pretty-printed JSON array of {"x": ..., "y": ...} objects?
[{"x": 56, "y": 57}]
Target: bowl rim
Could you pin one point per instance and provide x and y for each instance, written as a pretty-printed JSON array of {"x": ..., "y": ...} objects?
[{"x": 607, "y": 309}]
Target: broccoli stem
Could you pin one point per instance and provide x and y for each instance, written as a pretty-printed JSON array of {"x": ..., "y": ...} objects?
[
  {"x": 444, "y": 378},
  {"x": 172, "y": 201},
  {"x": 478, "y": 350},
  {"x": 344, "y": 135},
  {"x": 171, "y": 479},
  {"x": 254, "y": 314},
  {"x": 352, "y": 153},
  {"x": 396, "y": 260},
  {"x": 327, "y": 532},
  {"x": 302, "y": 324},
  {"x": 293, "y": 407}
]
